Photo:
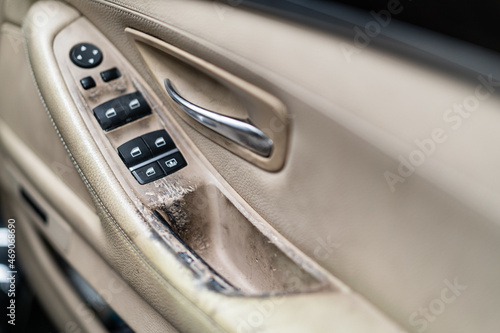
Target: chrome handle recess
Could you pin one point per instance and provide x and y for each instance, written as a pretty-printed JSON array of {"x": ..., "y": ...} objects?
[{"x": 236, "y": 130}]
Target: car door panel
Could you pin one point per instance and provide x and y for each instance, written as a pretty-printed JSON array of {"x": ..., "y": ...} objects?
[
  {"x": 315, "y": 237},
  {"x": 137, "y": 249}
]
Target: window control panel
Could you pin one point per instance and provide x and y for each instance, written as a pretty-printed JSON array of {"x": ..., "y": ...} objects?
[
  {"x": 151, "y": 156},
  {"x": 159, "y": 142},
  {"x": 121, "y": 110}
]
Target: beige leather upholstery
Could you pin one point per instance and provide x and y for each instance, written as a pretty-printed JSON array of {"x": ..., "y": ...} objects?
[
  {"x": 428, "y": 246},
  {"x": 24, "y": 113},
  {"x": 350, "y": 123},
  {"x": 14, "y": 11},
  {"x": 70, "y": 226},
  {"x": 33, "y": 157},
  {"x": 134, "y": 249}
]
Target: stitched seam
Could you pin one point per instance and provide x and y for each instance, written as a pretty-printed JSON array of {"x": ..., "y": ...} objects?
[
  {"x": 115, "y": 7},
  {"x": 129, "y": 6}
]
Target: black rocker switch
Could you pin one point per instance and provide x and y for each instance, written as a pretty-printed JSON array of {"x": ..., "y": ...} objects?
[
  {"x": 159, "y": 142},
  {"x": 110, "y": 114},
  {"x": 135, "y": 105},
  {"x": 148, "y": 173},
  {"x": 121, "y": 110},
  {"x": 134, "y": 152}
]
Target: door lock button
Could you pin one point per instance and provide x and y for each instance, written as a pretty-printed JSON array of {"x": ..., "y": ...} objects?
[{"x": 134, "y": 152}]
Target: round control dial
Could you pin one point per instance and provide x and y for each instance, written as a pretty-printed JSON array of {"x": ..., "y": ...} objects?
[{"x": 86, "y": 55}]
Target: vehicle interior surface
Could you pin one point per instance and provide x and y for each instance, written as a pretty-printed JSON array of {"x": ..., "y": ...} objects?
[{"x": 249, "y": 166}]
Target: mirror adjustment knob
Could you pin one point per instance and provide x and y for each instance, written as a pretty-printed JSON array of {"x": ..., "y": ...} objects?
[{"x": 86, "y": 55}]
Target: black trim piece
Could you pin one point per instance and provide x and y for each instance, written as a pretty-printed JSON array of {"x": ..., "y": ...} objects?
[
  {"x": 89, "y": 296},
  {"x": 36, "y": 208},
  {"x": 439, "y": 51},
  {"x": 468, "y": 20}
]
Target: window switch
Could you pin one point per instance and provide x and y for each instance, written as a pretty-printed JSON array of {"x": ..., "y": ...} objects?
[
  {"x": 121, "y": 110},
  {"x": 134, "y": 152},
  {"x": 87, "y": 82},
  {"x": 111, "y": 74},
  {"x": 110, "y": 114},
  {"x": 159, "y": 142},
  {"x": 148, "y": 173},
  {"x": 136, "y": 105}
]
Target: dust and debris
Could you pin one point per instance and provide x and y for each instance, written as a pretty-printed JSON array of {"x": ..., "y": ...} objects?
[
  {"x": 167, "y": 191},
  {"x": 177, "y": 215}
]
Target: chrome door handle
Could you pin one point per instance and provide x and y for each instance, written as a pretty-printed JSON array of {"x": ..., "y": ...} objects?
[{"x": 236, "y": 130}]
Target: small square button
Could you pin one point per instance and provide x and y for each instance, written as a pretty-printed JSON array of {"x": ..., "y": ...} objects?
[
  {"x": 172, "y": 163},
  {"x": 148, "y": 173},
  {"x": 134, "y": 152},
  {"x": 110, "y": 74},
  {"x": 159, "y": 142},
  {"x": 87, "y": 82}
]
